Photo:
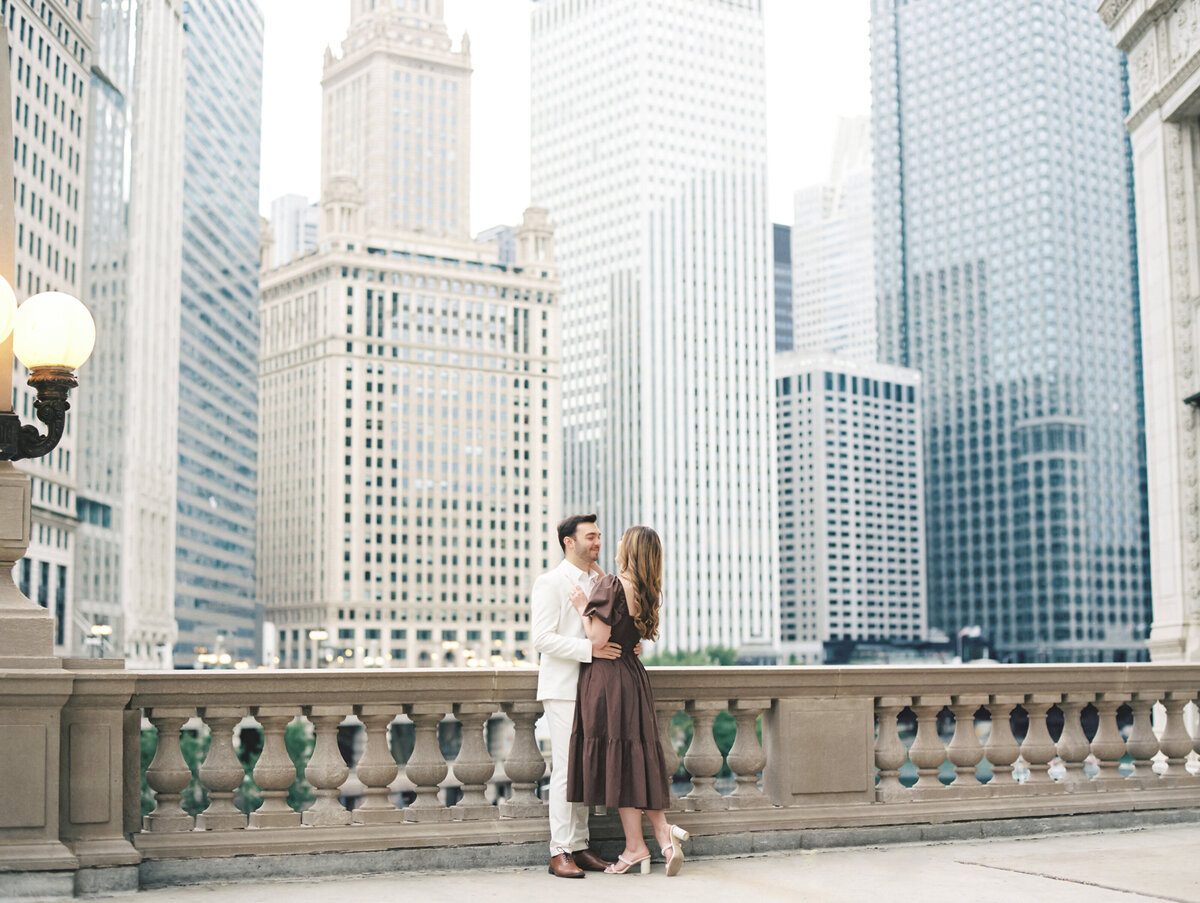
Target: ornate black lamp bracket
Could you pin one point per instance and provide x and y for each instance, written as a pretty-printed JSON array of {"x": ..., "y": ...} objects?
[
  {"x": 1193, "y": 400},
  {"x": 18, "y": 442}
]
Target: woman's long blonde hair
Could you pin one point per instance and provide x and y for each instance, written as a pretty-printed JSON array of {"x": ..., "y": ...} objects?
[{"x": 640, "y": 558}]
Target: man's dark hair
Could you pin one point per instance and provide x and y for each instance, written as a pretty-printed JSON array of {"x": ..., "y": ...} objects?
[{"x": 570, "y": 525}]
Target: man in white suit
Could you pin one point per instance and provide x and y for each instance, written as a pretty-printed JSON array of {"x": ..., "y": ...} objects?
[{"x": 559, "y": 636}]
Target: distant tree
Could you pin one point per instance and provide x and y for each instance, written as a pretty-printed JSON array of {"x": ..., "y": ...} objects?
[{"x": 712, "y": 655}]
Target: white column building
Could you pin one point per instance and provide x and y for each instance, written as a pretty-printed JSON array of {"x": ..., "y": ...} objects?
[
  {"x": 410, "y": 385},
  {"x": 833, "y": 281},
  {"x": 1162, "y": 41},
  {"x": 649, "y": 150},
  {"x": 851, "y": 503}
]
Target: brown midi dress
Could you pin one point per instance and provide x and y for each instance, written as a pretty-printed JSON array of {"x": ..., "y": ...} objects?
[{"x": 615, "y": 756}]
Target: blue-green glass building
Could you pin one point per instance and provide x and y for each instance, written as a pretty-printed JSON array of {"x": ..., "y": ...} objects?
[{"x": 1006, "y": 273}]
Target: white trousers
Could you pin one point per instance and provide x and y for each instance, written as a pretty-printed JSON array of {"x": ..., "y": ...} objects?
[{"x": 568, "y": 821}]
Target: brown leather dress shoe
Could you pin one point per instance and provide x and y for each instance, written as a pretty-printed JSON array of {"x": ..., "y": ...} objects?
[
  {"x": 561, "y": 866},
  {"x": 589, "y": 860}
]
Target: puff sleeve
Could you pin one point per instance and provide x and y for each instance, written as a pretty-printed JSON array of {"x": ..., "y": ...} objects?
[{"x": 605, "y": 600}]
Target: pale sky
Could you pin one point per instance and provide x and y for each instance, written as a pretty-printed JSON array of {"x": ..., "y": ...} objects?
[{"x": 818, "y": 68}]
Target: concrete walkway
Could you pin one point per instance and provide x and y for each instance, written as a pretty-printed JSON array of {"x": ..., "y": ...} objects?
[{"x": 1117, "y": 866}]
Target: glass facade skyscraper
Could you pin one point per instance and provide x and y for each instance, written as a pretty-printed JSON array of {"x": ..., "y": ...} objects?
[
  {"x": 1005, "y": 272},
  {"x": 218, "y": 369},
  {"x": 782, "y": 243}
]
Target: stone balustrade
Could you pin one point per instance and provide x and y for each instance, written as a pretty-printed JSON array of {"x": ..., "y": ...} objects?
[{"x": 841, "y": 748}]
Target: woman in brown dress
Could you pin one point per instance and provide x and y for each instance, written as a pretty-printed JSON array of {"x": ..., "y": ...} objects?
[{"x": 615, "y": 757}]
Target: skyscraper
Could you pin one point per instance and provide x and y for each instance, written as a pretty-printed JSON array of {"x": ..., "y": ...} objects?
[
  {"x": 294, "y": 227},
  {"x": 215, "y": 602},
  {"x": 833, "y": 287},
  {"x": 1005, "y": 273},
  {"x": 649, "y": 150},
  {"x": 782, "y": 244},
  {"x": 124, "y": 561},
  {"x": 411, "y": 402},
  {"x": 851, "y": 503},
  {"x": 51, "y": 47}
]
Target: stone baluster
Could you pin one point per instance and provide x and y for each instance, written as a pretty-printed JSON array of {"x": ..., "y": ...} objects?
[
  {"x": 1142, "y": 744},
  {"x": 890, "y": 752},
  {"x": 746, "y": 756},
  {"x": 664, "y": 711},
  {"x": 703, "y": 758},
  {"x": 426, "y": 766},
  {"x": 1037, "y": 749},
  {"x": 1107, "y": 746},
  {"x": 965, "y": 751},
  {"x": 1196, "y": 724},
  {"x": 275, "y": 772},
  {"x": 1002, "y": 750},
  {"x": 376, "y": 769},
  {"x": 222, "y": 773},
  {"x": 525, "y": 765},
  {"x": 168, "y": 774},
  {"x": 474, "y": 766},
  {"x": 927, "y": 751},
  {"x": 1175, "y": 742},
  {"x": 327, "y": 770},
  {"x": 1072, "y": 746}
]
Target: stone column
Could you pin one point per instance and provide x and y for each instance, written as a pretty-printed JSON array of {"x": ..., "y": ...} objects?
[
  {"x": 1107, "y": 746},
  {"x": 1038, "y": 749},
  {"x": 964, "y": 750},
  {"x": 1002, "y": 750},
  {"x": 221, "y": 773},
  {"x": 1142, "y": 743},
  {"x": 703, "y": 759},
  {"x": 426, "y": 766},
  {"x": 326, "y": 770},
  {"x": 1072, "y": 745},
  {"x": 474, "y": 766},
  {"x": 890, "y": 753},
  {"x": 927, "y": 751},
  {"x": 168, "y": 774},
  {"x": 664, "y": 711},
  {"x": 525, "y": 764},
  {"x": 377, "y": 769},
  {"x": 746, "y": 756},
  {"x": 274, "y": 772}
]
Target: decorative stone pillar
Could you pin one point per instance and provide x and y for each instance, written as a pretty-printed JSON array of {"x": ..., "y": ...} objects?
[
  {"x": 221, "y": 773},
  {"x": 965, "y": 751},
  {"x": 927, "y": 751},
  {"x": 1002, "y": 750},
  {"x": 703, "y": 758},
  {"x": 1038, "y": 749},
  {"x": 1107, "y": 746},
  {"x": 426, "y": 766},
  {"x": 525, "y": 764},
  {"x": 1072, "y": 746},
  {"x": 474, "y": 766},
  {"x": 664, "y": 711},
  {"x": 168, "y": 774},
  {"x": 376, "y": 769},
  {"x": 890, "y": 753},
  {"x": 1175, "y": 742},
  {"x": 1142, "y": 744},
  {"x": 274, "y": 772},
  {"x": 746, "y": 756},
  {"x": 327, "y": 770}
]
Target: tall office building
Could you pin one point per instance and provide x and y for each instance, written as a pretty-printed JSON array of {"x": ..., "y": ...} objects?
[
  {"x": 782, "y": 244},
  {"x": 851, "y": 503},
  {"x": 124, "y": 561},
  {"x": 833, "y": 283},
  {"x": 215, "y": 604},
  {"x": 51, "y": 46},
  {"x": 1004, "y": 243},
  {"x": 411, "y": 386},
  {"x": 293, "y": 227},
  {"x": 649, "y": 150}
]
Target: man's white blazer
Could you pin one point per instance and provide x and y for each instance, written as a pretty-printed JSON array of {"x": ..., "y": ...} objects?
[{"x": 558, "y": 633}]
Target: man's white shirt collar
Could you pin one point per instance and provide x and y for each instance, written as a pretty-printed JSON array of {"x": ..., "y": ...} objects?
[{"x": 577, "y": 575}]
